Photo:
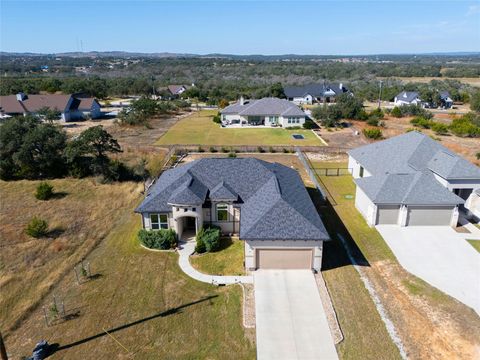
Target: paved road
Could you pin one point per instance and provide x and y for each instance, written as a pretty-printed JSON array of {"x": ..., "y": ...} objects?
[
  {"x": 440, "y": 256},
  {"x": 291, "y": 322}
]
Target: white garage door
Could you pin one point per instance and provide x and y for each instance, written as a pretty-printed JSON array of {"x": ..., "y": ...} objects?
[
  {"x": 284, "y": 258},
  {"x": 433, "y": 215},
  {"x": 388, "y": 214}
]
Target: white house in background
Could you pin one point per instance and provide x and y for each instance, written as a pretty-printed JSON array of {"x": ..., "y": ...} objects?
[
  {"x": 266, "y": 204},
  {"x": 263, "y": 112},
  {"x": 308, "y": 94},
  {"x": 407, "y": 98},
  {"x": 412, "y": 180}
]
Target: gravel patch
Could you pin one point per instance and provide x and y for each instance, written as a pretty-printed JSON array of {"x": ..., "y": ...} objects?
[
  {"x": 332, "y": 320},
  {"x": 248, "y": 305}
]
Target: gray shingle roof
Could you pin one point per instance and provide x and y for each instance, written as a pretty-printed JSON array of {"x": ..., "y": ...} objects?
[
  {"x": 408, "y": 189},
  {"x": 273, "y": 200},
  {"x": 316, "y": 90},
  {"x": 263, "y": 107},
  {"x": 407, "y": 96},
  {"x": 412, "y": 152},
  {"x": 411, "y": 158}
]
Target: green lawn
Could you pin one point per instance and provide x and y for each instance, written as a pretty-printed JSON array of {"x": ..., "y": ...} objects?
[
  {"x": 146, "y": 303},
  {"x": 475, "y": 244},
  {"x": 365, "y": 336},
  {"x": 199, "y": 128},
  {"x": 227, "y": 261}
]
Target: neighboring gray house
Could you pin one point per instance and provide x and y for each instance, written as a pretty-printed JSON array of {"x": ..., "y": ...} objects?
[
  {"x": 412, "y": 180},
  {"x": 266, "y": 204},
  {"x": 446, "y": 101},
  {"x": 263, "y": 112},
  {"x": 407, "y": 98},
  {"x": 308, "y": 94}
]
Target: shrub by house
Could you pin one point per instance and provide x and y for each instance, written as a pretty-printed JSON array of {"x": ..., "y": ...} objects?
[{"x": 162, "y": 239}]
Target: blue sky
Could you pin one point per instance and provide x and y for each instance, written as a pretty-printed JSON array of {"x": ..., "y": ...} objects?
[{"x": 241, "y": 27}]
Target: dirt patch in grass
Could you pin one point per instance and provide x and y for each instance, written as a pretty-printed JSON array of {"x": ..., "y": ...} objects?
[
  {"x": 81, "y": 214},
  {"x": 430, "y": 323},
  {"x": 198, "y": 128},
  {"x": 145, "y": 302},
  {"x": 229, "y": 260}
]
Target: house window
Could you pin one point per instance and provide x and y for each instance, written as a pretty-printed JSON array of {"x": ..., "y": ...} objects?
[
  {"x": 222, "y": 212},
  {"x": 361, "y": 172},
  {"x": 159, "y": 221},
  {"x": 194, "y": 209}
]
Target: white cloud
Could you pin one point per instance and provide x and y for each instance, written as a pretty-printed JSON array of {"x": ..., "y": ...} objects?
[{"x": 473, "y": 9}]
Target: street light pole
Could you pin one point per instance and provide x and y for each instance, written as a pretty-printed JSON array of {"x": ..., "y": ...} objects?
[
  {"x": 3, "y": 351},
  {"x": 380, "y": 95}
]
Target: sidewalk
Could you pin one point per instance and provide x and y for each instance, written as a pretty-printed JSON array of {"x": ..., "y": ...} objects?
[{"x": 184, "y": 252}]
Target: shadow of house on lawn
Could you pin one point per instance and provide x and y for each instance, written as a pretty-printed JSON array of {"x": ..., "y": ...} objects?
[
  {"x": 334, "y": 254},
  {"x": 165, "y": 313}
]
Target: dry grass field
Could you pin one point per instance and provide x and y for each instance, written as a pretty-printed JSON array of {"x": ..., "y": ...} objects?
[
  {"x": 82, "y": 213},
  {"x": 140, "y": 305}
]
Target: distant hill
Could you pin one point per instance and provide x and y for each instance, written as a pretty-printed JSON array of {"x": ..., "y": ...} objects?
[{"x": 126, "y": 54}]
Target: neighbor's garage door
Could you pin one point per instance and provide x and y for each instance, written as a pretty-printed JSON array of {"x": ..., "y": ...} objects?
[
  {"x": 433, "y": 215},
  {"x": 388, "y": 214},
  {"x": 284, "y": 258}
]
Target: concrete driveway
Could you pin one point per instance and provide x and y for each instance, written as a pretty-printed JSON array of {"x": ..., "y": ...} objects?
[
  {"x": 290, "y": 320},
  {"x": 440, "y": 256}
]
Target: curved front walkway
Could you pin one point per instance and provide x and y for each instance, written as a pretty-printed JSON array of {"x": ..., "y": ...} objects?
[{"x": 186, "y": 249}]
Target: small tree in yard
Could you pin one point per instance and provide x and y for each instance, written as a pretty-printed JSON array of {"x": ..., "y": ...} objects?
[
  {"x": 49, "y": 114},
  {"x": 372, "y": 133},
  {"x": 208, "y": 239},
  {"x": 396, "y": 112},
  {"x": 44, "y": 191},
  {"x": 37, "y": 228}
]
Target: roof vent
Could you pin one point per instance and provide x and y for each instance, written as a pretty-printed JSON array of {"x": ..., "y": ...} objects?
[
  {"x": 242, "y": 100},
  {"x": 21, "y": 96}
]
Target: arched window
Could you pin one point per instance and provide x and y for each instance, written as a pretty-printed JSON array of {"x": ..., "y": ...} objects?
[{"x": 222, "y": 212}]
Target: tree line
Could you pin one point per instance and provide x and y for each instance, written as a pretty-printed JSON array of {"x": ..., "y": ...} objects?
[{"x": 32, "y": 149}]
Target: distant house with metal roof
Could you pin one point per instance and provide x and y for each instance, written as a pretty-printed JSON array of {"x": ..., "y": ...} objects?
[
  {"x": 71, "y": 107},
  {"x": 308, "y": 94},
  {"x": 407, "y": 98},
  {"x": 266, "y": 204},
  {"x": 412, "y": 179},
  {"x": 263, "y": 112}
]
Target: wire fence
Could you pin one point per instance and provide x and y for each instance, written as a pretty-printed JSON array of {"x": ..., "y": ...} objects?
[{"x": 333, "y": 171}]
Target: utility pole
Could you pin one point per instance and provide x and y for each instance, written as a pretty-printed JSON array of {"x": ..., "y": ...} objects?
[
  {"x": 380, "y": 95},
  {"x": 3, "y": 351},
  {"x": 153, "y": 87}
]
